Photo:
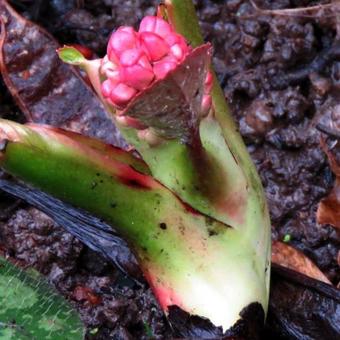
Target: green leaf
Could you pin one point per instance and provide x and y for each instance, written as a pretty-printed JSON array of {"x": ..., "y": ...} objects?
[
  {"x": 30, "y": 309},
  {"x": 71, "y": 55}
]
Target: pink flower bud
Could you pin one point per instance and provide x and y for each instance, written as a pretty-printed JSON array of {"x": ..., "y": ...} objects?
[
  {"x": 136, "y": 76},
  {"x": 178, "y": 46},
  {"x": 107, "y": 87},
  {"x": 177, "y": 51},
  {"x": 135, "y": 69},
  {"x": 155, "y": 25},
  {"x": 110, "y": 69},
  {"x": 144, "y": 61},
  {"x": 119, "y": 94},
  {"x": 164, "y": 66},
  {"x": 123, "y": 39},
  {"x": 130, "y": 57},
  {"x": 155, "y": 47},
  {"x": 135, "y": 59}
]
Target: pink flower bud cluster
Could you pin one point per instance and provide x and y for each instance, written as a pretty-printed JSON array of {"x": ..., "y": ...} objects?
[{"x": 135, "y": 59}]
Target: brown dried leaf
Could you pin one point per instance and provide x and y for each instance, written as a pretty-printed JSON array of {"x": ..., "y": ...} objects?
[
  {"x": 329, "y": 207},
  {"x": 289, "y": 257},
  {"x": 47, "y": 90}
]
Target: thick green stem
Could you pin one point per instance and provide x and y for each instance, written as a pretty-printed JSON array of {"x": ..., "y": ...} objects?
[{"x": 189, "y": 259}]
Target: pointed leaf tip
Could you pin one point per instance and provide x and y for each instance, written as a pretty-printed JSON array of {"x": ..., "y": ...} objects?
[{"x": 71, "y": 55}]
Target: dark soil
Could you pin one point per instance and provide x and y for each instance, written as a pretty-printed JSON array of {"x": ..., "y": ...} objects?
[{"x": 280, "y": 74}]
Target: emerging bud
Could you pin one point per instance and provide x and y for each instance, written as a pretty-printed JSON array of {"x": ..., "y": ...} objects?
[{"x": 135, "y": 60}]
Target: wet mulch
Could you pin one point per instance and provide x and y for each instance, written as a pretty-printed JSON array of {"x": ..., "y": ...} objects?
[{"x": 281, "y": 75}]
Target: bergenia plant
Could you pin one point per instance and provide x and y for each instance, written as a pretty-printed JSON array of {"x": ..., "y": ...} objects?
[{"x": 191, "y": 204}]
